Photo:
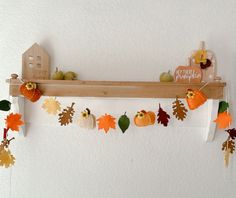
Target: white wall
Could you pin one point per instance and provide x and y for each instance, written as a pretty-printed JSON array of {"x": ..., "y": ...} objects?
[{"x": 117, "y": 40}]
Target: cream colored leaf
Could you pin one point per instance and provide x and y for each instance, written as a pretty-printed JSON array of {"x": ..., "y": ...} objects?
[{"x": 51, "y": 106}]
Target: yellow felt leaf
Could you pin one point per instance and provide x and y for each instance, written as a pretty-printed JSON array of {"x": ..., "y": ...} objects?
[
  {"x": 51, "y": 106},
  {"x": 223, "y": 120},
  {"x": 6, "y": 158}
]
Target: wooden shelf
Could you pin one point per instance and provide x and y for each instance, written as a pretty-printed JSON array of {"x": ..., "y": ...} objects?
[{"x": 124, "y": 89}]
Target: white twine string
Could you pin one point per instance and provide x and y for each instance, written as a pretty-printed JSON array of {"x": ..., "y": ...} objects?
[{"x": 204, "y": 86}]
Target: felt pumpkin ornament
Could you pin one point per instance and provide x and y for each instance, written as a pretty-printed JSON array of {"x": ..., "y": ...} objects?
[
  {"x": 106, "y": 122},
  {"x": 144, "y": 118},
  {"x": 195, "y": 98},
  {"x": 87, "y": 120},
  {"x": 30, "y": 91}
]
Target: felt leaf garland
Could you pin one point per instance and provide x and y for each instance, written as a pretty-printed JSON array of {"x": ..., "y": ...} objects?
[
  {"x": 5, "y": 105},
  {"x": 223, "y": 120},
  {"x": 13, "y": 121},
  {"x": 223, "y": 106},
  {"x": 106, "y": 122},
  {"x": 232, "y": 133},
  {"x": 51, "y": 105},
  {"x": 124, "y": 122},
  {"x": 228, "y": 147},
  {"x": 6, "y": 158},
  {"x": 179, "y": 110},
  {"x": 162, "y": 116},
  {"x": 65, "y": 117}
]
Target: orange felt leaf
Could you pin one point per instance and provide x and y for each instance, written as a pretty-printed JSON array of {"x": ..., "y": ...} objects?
[
  {"x": 106, "y": 122},
  {"x": 13, "y": 121},
  {"x": 223, "y": 120}
]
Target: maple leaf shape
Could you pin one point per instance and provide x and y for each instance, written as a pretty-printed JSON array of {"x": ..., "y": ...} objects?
[
  {"x": 13, "y": 121},
  {"x": 6, "y": 159},
  {"x": 162, "y": 116},
  {"x": 232, "y": 133},
  {"x": 65, "y": 117},
  {"x": 228, "y": 144},
  {"x": 106, "y": 122},
  {"x": 179, "y": 110},
  {"x": 51, "y": 105},
  {"x": 223, "y": 120}
]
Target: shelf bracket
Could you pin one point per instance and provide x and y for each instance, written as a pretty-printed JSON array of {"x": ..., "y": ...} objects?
[
  {"x": 213, "y": 105},
  {"x": 18, "y": 106}
]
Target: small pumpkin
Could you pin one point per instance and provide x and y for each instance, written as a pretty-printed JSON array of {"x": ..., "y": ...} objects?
[
  {"x": 30, "y": 91},
  {"x": 188, "y": 74},
  {"x": 195, "y": 98},
  {"x": 166, "y": 77},
  {"x": 87, "y": 120},
  {"x": 143, "y": 118}
]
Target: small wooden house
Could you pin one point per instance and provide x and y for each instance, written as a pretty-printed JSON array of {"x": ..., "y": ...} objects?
[{"x": 35, "y": 63}]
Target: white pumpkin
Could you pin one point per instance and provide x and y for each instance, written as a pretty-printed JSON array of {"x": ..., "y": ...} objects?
[{"x": 87, "y": 120}]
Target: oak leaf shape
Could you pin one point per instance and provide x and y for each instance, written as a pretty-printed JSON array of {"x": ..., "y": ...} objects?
[
  {"x": 65, "y": 117},
  {"x": 6, "y": 158},
  {"x": 162, "y": 116},
  {"x": 106, "y": 122},
  {"x": 51, "y": 106},
  {"x": 228, "y": 144},
  {"x": 179, "y": 110},
  {"x": 223, "y": 120},
  {"x": 232, "y": 133},
  {"x": 13, "y": 121}
]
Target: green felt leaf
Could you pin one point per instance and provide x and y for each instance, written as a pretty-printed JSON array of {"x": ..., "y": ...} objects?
[
  {"x": 5, "y": 105},
  {"x": 124, "y": 122},
  {"x": 223, "y": 106}
]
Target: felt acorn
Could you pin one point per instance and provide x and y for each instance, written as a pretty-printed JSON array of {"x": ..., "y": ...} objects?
[
  {"x": 87, "y": 120},
  {"x": 30, "y": 91},
  {"x": 143, "y": 118},
  {"x": 195, "y": 98}
]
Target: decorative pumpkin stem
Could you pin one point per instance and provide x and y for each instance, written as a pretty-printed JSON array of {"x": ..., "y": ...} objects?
[{"x": 88, "y": 110}]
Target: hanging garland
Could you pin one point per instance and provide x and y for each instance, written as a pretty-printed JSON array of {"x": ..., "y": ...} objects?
[
  {"x": 194, "y": 99},
  {"x": 12, "y": 122}
]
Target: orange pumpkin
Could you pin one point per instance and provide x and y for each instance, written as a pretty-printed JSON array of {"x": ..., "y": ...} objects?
[
  {"x": 195, "y": 98},
  {"x": 30, "y": 91},
  {"x": 143, "y": 118},
  {"x": 188, "y": 74}
]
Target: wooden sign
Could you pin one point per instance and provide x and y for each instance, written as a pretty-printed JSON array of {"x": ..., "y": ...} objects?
[{"x": 188, "y": 74}]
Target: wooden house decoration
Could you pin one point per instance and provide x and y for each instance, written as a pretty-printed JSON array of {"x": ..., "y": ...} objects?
[{"x": 35, "y": 63}]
